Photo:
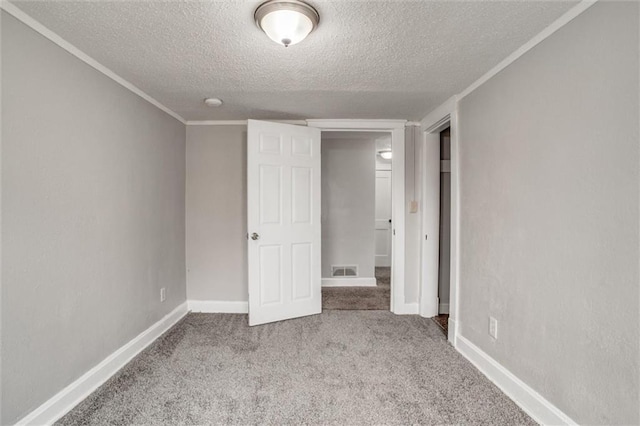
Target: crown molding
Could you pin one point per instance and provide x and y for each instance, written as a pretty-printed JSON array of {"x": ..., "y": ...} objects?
[
  {"x": 450, "y": 104},
  {"x": 21, "y": 16},
  {"x": 442, "y": 112},
  {"x": 537, "y": 39},
  {"x": 216, "y": 122},
  {"x": 238, "y": 122},
  {"x": 322, "y": 123}
]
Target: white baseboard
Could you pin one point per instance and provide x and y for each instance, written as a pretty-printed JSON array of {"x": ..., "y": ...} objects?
[
  {"x": 349, "y": 282},
  {"x": 218, "y": 306},
  {"x": 62, "y": 402},
  {"x": 443, "y": 308},
  {"x": 452, "y": 331},
  {"x": 407, "y": 309},
  {"x": 534, "y": 404}
]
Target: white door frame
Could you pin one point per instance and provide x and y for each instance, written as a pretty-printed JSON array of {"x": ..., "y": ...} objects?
[
  {"x": 397, "y": 129},
  {"x": 444, "y": 116}
]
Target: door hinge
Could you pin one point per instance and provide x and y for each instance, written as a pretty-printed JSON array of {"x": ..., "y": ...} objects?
[
  {"x": 426, "y": 237},
  {"x": 394, "y": 232}
]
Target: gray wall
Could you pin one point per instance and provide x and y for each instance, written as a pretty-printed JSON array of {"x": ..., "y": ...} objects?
[
  {"x": 549, "y": 216},
  {"x": 216, "y": 213},
  {"x": 348, "y": 204},
  {"x": 217, "y": 218},
  {"x": 92, "y": 217}
]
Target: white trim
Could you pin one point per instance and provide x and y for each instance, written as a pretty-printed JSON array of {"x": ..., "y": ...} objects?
[
  {"x": 398, "y": 219},
  {"x": 406, "y": 309},
  {"x": 454, "y": 234},
  {"x": 351, "y": 125},
  {"x": 541, "y": 36},
  {"x": 1, "y": 210},
  {"x": 397, "y": 129},
  {"x": 451, "y": 330},
  {"x": 433, "y": 121},
  {"x": 443, "y": 116},
  {"x": 440, "y": 125},
  {"x": 55, "y": 38},
  {"x": 349, "y": 282},
  {"x": 534, "y": 404},
  {"x": 443, "y": 308},
  {"x": 238, "y": 122},
  {"x": 218, "y": 306},
  {"x": 216, "y": 122},
  {"x": 62, "y": 402}
]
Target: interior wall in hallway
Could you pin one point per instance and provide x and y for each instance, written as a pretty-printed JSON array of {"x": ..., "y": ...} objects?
[
  {"x": 444, "y": 266},
  {"x": 92, "y": 217},
  {"x": 348, "y": 204},
  {"x": 549, "y": 232}
]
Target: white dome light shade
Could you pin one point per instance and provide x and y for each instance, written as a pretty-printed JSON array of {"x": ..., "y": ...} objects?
[
  {"x": 286, "y": 26},
  {"x": 213, "y": 102},
  {"x": 286, "y": 22},
  {"x": 387, "y": 154}
]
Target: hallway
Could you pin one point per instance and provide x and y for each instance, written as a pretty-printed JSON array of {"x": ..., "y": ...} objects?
[{"x": 376, "y": 298}]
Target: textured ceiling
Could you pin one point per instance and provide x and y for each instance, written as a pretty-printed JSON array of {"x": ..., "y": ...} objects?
[{"x": 367, "y": 59}]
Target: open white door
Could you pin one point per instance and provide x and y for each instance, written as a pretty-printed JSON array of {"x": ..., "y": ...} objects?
[
  {"x": 383, "y": 218},
  {"x": 430, "y": 247},
  {"x": 283, "y": 188}
]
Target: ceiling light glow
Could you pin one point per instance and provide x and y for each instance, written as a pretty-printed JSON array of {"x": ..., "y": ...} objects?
[
  {"x": 387, "y": 155},
  {"x": 213, "y": 102},
  {"x": 286, "y": 22}
]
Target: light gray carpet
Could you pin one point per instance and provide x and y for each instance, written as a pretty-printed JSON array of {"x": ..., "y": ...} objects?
[
  {"x": 360, "y": 298},
  {"x": 340, "y": 367}
]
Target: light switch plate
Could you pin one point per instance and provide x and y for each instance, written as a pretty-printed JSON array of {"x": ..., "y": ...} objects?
[
  {"x": 413, "y": 208},
  {"x": 493, "y": 327}
]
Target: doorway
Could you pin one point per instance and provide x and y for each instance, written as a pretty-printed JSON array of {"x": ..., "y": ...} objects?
[
  {"x": 356, "y": 220},
  {"x": 284, "y": 219},
  {"x": 444, "y": 244}
]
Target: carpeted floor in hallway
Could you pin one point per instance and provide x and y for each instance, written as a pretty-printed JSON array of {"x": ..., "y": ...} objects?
[
  {"x": 360, "y": 298},
  {"x": 339, "y": 367},
  {"x": 443, "y": 322}
]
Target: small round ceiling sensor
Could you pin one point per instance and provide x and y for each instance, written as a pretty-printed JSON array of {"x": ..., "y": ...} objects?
[{"x": 213, "y": 102}]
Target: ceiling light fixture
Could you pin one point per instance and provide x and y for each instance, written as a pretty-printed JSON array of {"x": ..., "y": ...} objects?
[
  {"x": 386, "y": 154},
  {"x": 286, "y": 21},
  {"x": 213, "y": 102}
]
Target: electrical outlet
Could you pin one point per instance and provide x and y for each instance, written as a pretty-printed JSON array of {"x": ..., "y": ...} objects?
[
  {"x": 163, "y": 294},
  {"x": 493, "y": 327}
]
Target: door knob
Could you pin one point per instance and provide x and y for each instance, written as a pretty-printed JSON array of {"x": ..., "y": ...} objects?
[{"x": 255, "y": 236}]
